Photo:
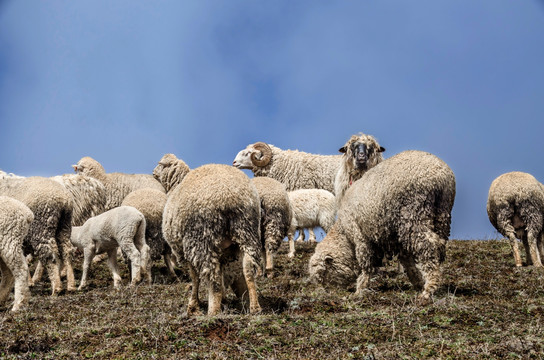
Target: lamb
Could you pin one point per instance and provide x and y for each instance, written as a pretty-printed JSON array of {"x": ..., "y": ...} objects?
[
  {"x": 118, "y": 185},
  {"x": 361, "y": 153},
  {"x": 49, "y": 236},
  {"x": 311, "y": 208},
  {"x": 515, "y": 207},
  {"x": 295, "y": 169},
  {"x": 401, "y": 206},
  {"x": 276, "y": 216},
  {"x": 211, "y": 220},
  {"x": 122, "y": 227},
  {"x": 150, "y": 202},
  {"x": 170, "y": 171},
  {"x": 15, "y": 220}
]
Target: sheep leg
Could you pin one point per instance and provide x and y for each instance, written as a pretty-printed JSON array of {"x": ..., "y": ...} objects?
[
  {"x": 290, "y": 236},
  {"x": 169, "y": 261},
  {"x": 249, "y": 274},
  {"x": 135, "y": 257},
  {"x": 311, "y": 237},
  {"x": 7, "y": 281},
  {"x": 301, "y": 235},
  {"x": 428, "y": 264},
  {"x": 215, "y": 289},
  {"x": 38, "y": 273},
  {"x": 269, "y": 261},
  {"x": 511, "y": 235},
  {"x": 533, "y": 248},
  {"x": 18, "y": 268},
  {"x": 193, "y": 307},
  {"x": 112, "y": 264},
  {"x": 414, "y": 275},
  {"x": 88, "y": 254},
  {"x": 54, "y": 276},
  {"x": 146, "y": 262},
  {"x": 363, "y": 254},
  {"x": 525, "y": 242},
  {"x": 67, "y": 266},
  {"x": 540, "y": 246}
]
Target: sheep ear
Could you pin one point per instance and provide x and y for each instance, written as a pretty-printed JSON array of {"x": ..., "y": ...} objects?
[
  {"x": 328, "y": 260},
  {"x": 382, "y": 149},
  {"x": 342, "y": 149}
]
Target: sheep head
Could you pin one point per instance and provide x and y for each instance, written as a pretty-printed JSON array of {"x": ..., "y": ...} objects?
[
  {"x": 170, "y": 171},
  {"x": 255, "y": 155},
  {"x": 90, "y": 167},
  {"x": 362, "y": 152}
]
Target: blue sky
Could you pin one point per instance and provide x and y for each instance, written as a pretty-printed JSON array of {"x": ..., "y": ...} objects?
[{"x": 128, "y": 81}]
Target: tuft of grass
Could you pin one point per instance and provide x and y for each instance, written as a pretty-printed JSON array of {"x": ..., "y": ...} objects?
[{"x": 485, "y": 308}]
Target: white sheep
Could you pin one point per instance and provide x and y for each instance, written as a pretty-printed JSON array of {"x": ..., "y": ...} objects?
[
  {"x": 15, "y": 220},
  {"x": 121, "y": 227},
  {"x": 276, "y": 216},
  {"x": 49, "y": 236},
  {"x": 295, "y": 169},
  {"x": 311, "y": 208},
  {"x": 212, "y": 220},
  {"x": 515, "y": 207},
  {"x": 400, "y": 207}
]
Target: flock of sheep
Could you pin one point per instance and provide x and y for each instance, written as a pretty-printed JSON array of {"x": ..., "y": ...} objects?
[{"x": 224, "y": 228}]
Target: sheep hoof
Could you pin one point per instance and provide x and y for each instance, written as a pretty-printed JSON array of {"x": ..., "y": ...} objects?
[
  {"x": 255, "y": 309},
  {"x": 291, "y": 255},
  {"x": 71, "y": 288},
  {"x": 423, "y": 299}
]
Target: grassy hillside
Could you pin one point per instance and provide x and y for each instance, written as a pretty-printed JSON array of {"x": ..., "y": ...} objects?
[{"x": 485, "y": 308}]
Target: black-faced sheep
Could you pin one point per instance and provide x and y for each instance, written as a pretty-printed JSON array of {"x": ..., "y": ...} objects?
[
  {"x": 295, "y": 169},
  {"x": 515, "y": 206},
  {"x": 170, "y": 171},
  {"x": 15, "y": 220},
  {"x": 210, "y": 220},
  {"x": 121, "y": 227},
  {"x": 49, "y": 236},
  {"x": 401, "y": 206},
  {"x": 311, "y": 208},
  {"x": 118, "y": 185},
  {"x": 150, "y": 202},
  {"x": 361, "y": 153},
  {"x": 276, "y": 215}
]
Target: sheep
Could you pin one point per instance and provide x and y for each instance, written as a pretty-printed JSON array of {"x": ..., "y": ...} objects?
[
  {"x": 121, "y": 227},
  {"x": 15, "y": 220},
  {"x": 150, "y": 202},
  {"x": 311, "y": 208},
  {"x": 295, "y": 169},
  {"x": 360, "y": 153},
  {"x": 276, "y": 216},
  {"x": 49, "y": 236},
  {"x": 515, "y": 207},
  {"x": 88, "y": 196},
  {"x": 401, "y": 206},
  {"x": 170, "y": 171},
  {"x": 210, "y": 220},
  {"x": 118, "y": 185}
]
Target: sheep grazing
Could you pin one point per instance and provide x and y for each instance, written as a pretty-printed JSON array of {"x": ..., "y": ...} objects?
[
  {"x": 122, "y": 227},
  {"x": 400, "y": 207},
  {"x": 15, "y": 220},
  {"x": 515, "y": 207},
  {"x": 361, "y": 153},
  {"x": 295, "y": 169},
  {"x": 276, "y": 215},
  {"x": 150, "y": 202},
  {"x": 118, "y": 185},
  {"x": 211, "y": 220},
  {"x": 170, "y": 171},
  {"x": 311, "y": 208},
  {"x": 49, "y": 236}
]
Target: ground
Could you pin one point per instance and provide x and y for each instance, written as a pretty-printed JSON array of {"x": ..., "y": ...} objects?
[{"x": 486, "y": 308}]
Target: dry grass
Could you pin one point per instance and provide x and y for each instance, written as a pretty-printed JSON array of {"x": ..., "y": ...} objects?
[{"x": 486, "y": 308}]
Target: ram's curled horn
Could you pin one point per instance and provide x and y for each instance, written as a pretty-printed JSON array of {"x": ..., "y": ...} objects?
[{"x": 265, "y": 157}]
